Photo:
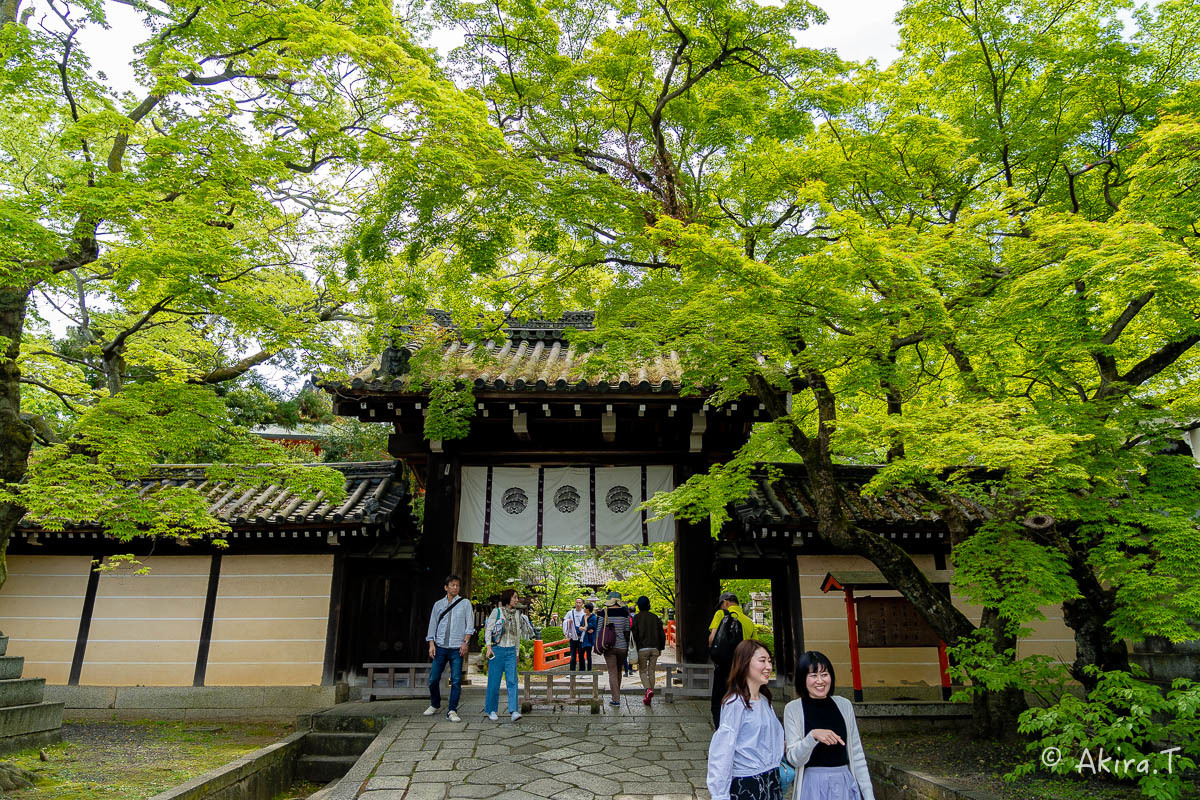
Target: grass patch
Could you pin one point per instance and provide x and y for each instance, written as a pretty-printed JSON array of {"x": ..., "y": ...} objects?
[{"x": 136, "y": 760}]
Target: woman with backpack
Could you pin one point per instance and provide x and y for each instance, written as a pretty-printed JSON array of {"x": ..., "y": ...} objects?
[
  {"x": 746, "y": 750},
  {"x": 822, "y": 737},
  {"x": 506, "y": 627},
  {"x": 612, "y": 641}
]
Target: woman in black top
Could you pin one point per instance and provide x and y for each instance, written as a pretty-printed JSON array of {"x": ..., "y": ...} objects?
[{"x": 822, "y": 738}]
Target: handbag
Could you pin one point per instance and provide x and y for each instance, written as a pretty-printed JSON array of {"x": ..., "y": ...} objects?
[
  {"x": 787, "y": 775},
  {"x": 497, "y": 629}
]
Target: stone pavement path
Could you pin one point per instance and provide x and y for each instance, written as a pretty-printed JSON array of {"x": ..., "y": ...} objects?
[{"x": 547, "y": 754}]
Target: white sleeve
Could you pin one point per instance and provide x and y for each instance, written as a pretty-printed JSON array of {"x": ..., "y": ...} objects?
[
  {"x": 720, "y": 750},
  {"x": 858, "y": 757},
  {"x": 798, "y": 746},
  {"x": 470, "y": 619}
]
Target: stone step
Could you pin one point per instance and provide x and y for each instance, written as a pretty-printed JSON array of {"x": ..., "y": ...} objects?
[
  {"x": 11, "y": 666},
  {"x": 22, "y": 691},
  {"x": 321, "y": 743},
  {"x": 322, "y": 769},
  {"x": 341, "y": 723},
  {"x": 30, "y": 725},
  {"x": 3, "y": 644}
]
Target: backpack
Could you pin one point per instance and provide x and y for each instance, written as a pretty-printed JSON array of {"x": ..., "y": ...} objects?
[
  {"x": 606, "y": 636},
  {"x": 726, "y": 639}
]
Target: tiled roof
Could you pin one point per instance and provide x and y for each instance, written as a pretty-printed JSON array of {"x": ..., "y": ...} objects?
[
  {"x": 590, "y": 573},
  {"x": 536, "y": 355},
  {"x": 373, "y": 492},
  {"x": 786, "y": 503}
]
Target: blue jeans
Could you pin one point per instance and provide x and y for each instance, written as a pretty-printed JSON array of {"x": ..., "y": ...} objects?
[
  {"x": 504, "y": 662},
  {"x": 452, "y": 655}
]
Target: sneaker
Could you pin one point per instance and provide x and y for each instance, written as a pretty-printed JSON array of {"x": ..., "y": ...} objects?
[
  {"x": 453, "y": 716},
  {"x": 614, "y": 702},
  {"x": 429, "y": 712},
  {"x": 647, "y": 696},
  {"x": 516, "y": 716},
  {"x": 492, "y": 716}
]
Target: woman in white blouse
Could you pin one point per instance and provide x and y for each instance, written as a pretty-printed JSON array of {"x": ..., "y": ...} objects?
[{"x": 744, "y": 756}]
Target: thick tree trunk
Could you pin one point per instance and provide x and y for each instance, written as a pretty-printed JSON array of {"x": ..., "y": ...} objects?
[
  {"x": 16, "y": 436},
  {"x": 994, "y": 714},
  {"x": 896, "y": 565},
  {"x": 1088, "y": 616}
]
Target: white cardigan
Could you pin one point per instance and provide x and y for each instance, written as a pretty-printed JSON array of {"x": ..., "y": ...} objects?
[{"x": 800, "y": 745}]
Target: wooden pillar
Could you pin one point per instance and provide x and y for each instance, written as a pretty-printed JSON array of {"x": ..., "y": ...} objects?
[
  {"x": 696, "y": 590},
  {"x": 435, "y": 553},
  {"x": 944, "y": 668},
  {"x": 464, "y": 565},
  {"x": 852, "y": 630},
  {"x": 795, "y": 609}
]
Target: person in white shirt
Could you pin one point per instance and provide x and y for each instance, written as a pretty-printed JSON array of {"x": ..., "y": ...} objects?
[
  {"x": 744, "y": 755},
  {"x": 573, "y": 626},
  {"x": 451, "y": 624}
]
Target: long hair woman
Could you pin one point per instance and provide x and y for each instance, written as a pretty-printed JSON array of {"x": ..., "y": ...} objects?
[
  {"x": 822, "y": 737},
  {"x": 744, "y": 756}
]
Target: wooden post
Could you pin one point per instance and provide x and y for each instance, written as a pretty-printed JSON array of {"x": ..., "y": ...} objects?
[
  {"x": 944, "y": 663},
  {"x": 852, "y": 625},
  {"x": 795, "y": 617},
  {"x": 539, "y": 655},
  {"x": 696, "y": 588},
  {"x": 435, "y": 553}
]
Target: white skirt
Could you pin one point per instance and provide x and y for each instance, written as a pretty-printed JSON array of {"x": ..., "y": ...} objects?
[{"x": 829, "y": 783}]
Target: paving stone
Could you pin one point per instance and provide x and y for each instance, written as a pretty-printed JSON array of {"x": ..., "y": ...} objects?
[
  {"x": 553, "y": 767},
  {"x": 386, "y": 782},
  {"x": 489, "y": 750},
  {"x": 443, "y": 777},
  {"x": 543, "y": 787},
  {"x": 439, "y": 764},
  {"x": 385, "y": 794},
  {"x": 509, "y": 774},
  {"x": 591, "y": 782},
  {"x": 424, "y": 792},
  {"x": 468, "y": 790},
  {"x": 574, "y": 793},
  {"x": 395, "y": 768}
]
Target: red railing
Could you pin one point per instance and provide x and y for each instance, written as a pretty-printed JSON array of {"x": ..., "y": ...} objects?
[
  {"x": 545, "y": 659},
  {"x": 671, "y": 632}
]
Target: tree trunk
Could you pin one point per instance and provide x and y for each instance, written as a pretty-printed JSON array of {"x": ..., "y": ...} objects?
[
  {"x": 16, "y": 436},
  {"x": 994, "y": 714},
  {"x": 897, "y": 566},
  {"x": 1088, "y": 615}
]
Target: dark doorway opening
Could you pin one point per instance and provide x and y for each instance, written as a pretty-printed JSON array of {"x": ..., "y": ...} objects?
[{"x": 377, "y": 618}]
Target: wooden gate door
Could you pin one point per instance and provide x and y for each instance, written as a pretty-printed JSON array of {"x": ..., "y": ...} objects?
[{"x": 376, "y": 611}]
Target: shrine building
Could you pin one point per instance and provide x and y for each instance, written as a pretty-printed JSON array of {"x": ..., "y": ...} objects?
[{"x": 306, "y": 592}]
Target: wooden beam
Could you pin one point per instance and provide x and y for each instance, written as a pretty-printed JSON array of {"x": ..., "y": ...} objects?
[{"x": 699, "y": 425}]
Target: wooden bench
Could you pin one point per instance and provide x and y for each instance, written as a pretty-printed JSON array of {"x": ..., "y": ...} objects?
[
  {"x": 559, "y": 687},
  {"x": 687, "y": 680},
  {"x": 397, "y": 680}
]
